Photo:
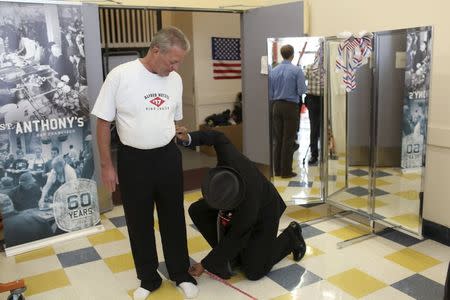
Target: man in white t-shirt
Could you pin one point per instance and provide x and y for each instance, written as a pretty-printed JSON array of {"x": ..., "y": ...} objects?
[{"x": 144, "y": 97}]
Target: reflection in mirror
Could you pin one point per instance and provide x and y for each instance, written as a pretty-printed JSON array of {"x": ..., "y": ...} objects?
[
  {"x": 349, "y": 116},
  {"x": 295, "y": 129},
  {"x": 336, "y": 124},
  {"x": 382, "y": 123},
  {"x": 402, "y": 84}
]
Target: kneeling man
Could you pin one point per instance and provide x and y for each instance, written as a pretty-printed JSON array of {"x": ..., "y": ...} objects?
[{"x": 247, "y": 208}]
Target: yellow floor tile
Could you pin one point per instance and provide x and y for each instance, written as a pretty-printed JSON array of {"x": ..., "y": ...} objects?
[
  {"x": 314, "y": 192},
  {"x": 304, "y": 215},
  {"x": 362, "y": 203},
  {"x": 106, "y": 237},
  {"x": 236, "y": 278},
  {"x": 197, "y": 244},
  {"x": 340, "y": 185},
  {"x": 358, "y": 181},
  {"x": 409, "y": 195},
  {"x": 43, "y": 252},
  {"x": 348, "y": 232},
  {"x": 46, "y": 282},
  {"x": 356, "y": 283},
  {"x": 413, "y": 260},
  {"x": 120, "y": 263},
  {"x": 341, "y": 172},
  {"x": 408, "y": 220},
  {"x": 310, "y": 252},
  {"x": 357, "y": 202},
  {"x": 193, "y": 196},
  {"x": 281, "y": 189},
  {"x": 284, "y": 297},
  {"x": 381, "y": 182},
  {"x": 412, "y": 176}
]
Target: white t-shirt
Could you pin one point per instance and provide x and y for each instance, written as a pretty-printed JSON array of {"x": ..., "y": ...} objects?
[{"x": 144, "y": 105}]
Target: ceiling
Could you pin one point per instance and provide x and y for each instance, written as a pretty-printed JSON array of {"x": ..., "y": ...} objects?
[{"x": 198, "y": 5}]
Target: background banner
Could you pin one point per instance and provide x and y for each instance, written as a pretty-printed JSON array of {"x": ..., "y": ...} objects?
[
  {"x": 415, "y": 106},
  {"x": 46, "y": 158}
]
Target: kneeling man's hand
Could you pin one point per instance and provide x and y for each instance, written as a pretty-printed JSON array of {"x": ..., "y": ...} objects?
[{"x": 196, "y": 269}]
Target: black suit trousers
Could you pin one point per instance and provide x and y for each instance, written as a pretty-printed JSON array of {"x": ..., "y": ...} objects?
[
  {"x": 149, "y": 177},
  {"x": 313, "y": 103},
  {"x": 285, "y": 120}
]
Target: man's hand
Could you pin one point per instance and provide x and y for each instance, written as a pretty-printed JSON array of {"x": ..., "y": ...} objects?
[
  {"x": 181, "y": 133},
  {"x": 196, "y": 270},
  {"x": 109, "y": 177}
]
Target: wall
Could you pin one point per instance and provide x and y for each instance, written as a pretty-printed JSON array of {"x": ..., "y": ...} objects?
[
  {"x": 330, "y": 17},
  {"x": 94, "y": 73},
  {"x": 183, "y": 20},
  {"x": 285, "y": 20},
  {"x": 213, "y": 96},
  {"x": 202, "y": 95}
]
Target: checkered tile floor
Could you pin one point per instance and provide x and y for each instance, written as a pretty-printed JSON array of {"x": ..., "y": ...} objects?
[
  {"x": 397, "y": 193},
  {"x": 389, "y": 266}
]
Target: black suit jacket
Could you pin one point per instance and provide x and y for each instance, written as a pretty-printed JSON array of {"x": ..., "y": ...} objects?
[{"x": 261, "y": 198}]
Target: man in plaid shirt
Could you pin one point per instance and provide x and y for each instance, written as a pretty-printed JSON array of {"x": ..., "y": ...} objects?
[{"x": 313, "y": 100}]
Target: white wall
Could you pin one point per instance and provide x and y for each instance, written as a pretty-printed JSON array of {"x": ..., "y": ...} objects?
[
  {"x": 330, "y": 17},
  {"x": 202, "y": 95},
  {"x": 213, "y": 96},
  {"x": 183, "y": 20}
]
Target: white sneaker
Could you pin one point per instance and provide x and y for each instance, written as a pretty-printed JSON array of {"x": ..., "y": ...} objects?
[
  {"x": 140, "y": 294},
  {"x": 189, "y": 289}
]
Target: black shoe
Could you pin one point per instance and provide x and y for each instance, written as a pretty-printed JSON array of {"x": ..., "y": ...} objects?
[
  {"x": 290, "y": 175},
  {"x": 313, "y": 161},
  {"x": 224, "y": 272},
  {"x": 299, "y": 249}
]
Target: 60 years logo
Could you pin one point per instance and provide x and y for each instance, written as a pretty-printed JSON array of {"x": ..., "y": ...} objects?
[{"x": 75, "y": 205}]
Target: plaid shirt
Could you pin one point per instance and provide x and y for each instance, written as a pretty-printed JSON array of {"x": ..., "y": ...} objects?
[{"x": 315, "y": 80}]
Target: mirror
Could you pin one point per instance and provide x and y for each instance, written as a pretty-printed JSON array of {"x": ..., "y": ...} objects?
[
  {"x": 382, "y": 122},
  {"x": 372, "y": 135},
  {"x": 335, "y": 122},
  {"x": 295, "y": 129},
  {"x": 348, "y": 122},
  {"x": 403, "y": 60}
]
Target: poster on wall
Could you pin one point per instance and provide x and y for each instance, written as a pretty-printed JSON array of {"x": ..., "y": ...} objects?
[
  {"x": 46, "y": 158},
  {"x": 415, "y": 105}
]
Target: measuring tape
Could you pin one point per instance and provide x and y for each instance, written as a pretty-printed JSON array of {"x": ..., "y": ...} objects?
[{"x": 215, "y": 277}]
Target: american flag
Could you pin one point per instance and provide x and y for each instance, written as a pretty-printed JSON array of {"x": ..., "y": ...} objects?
[{"x": 226, "y": 55}]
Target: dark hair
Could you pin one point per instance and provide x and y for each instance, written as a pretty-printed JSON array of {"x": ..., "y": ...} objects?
[
  {"x": 287, "y": 51},
  {"x": 55, "y": 149}
]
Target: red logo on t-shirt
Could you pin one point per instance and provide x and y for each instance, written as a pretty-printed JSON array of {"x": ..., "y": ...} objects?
[{"x": 157, "y": 101}]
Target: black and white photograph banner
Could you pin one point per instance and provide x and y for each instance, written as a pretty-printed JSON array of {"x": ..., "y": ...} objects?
[
  {"x": 46, "y": 158},
  {"x": 415, "y": 105}
]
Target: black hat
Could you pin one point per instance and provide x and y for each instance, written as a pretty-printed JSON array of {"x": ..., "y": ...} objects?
[{"x": 223, "y": 188}]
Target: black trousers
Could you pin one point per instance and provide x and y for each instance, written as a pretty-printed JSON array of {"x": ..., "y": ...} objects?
[
  {"x": 262, "y": 251},
  {"x": 146, "y": 178},
  {"x": 285, "y": 120},
  {"x": 313, "y": 103}
]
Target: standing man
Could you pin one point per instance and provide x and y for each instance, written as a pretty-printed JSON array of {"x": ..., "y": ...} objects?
[
  {"x": 145, "y": 98},
  {"x": 313, "y": 103},
  {"x": 286, "y": 87}
]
